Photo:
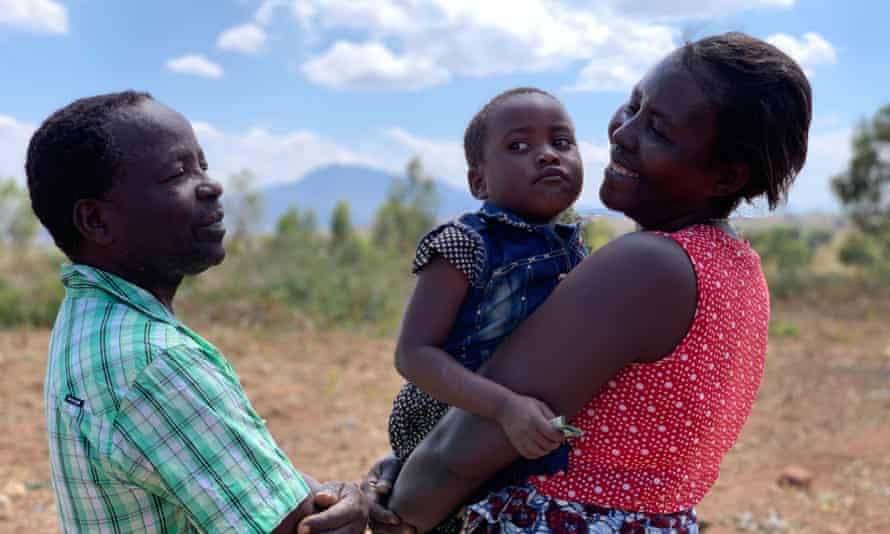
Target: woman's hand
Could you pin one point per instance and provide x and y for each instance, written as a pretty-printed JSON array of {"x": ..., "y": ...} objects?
[
  {"x": 526, "y": 421},
  {"x": 377, "y": 486}
]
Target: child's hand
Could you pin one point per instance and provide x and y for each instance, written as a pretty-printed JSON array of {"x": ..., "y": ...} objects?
[{"x": 526, "y": 421}]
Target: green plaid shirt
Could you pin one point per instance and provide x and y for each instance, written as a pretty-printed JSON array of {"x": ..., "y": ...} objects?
[{"x": 149, "y": 428}]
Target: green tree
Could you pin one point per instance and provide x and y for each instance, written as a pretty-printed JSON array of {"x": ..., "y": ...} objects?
[
  {"x": 341, "y": 223},
  {"x": 345, "y": 245},
  {"x": 597, "y": 233},
  {"x": 245, "y": 205},
  {"x": 293, "y": 223},
  {"x": 18, "y": 223},
  {"x": 786, "y": 255},
  {"x": 408, "y": 212},
  {"x": 864, "y": 188},
  {"x": 569, "y": 216},
  {"x": 859, "y": 250}
]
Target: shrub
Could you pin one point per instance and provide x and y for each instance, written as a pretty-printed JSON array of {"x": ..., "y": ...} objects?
[
  {"x": 786, "y": 255},
  {"x": 30, "y": 290}
]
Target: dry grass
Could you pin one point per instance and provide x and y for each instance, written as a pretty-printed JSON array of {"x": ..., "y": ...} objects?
[{"x": 824, "y": 405}]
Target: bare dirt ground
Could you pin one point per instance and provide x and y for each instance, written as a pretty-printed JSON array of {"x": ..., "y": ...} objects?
[{"x": 824, "y": 407}]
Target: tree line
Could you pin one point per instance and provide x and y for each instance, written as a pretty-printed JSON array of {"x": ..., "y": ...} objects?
[{"x": 326, "y": 274}]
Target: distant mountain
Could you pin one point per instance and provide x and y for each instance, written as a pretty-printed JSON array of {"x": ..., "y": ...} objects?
[{"x": 363, "y": 188}]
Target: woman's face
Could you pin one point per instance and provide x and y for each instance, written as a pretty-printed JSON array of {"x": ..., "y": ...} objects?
[{"x": 661, "y": 171}]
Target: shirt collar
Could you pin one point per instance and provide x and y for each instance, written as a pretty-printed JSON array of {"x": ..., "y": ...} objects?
[
  {"x": 78, "y": 277},
  {"x": 490, "y": 211}
]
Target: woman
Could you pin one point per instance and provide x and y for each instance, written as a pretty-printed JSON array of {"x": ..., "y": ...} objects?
[{"x": 656, "y": 342}]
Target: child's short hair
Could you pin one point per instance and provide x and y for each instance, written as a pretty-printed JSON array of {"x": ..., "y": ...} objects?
[
  {"x": 73, "y": 156},
  {"x": 764, "y": 106},
  {"x": 474, "y": 136}
]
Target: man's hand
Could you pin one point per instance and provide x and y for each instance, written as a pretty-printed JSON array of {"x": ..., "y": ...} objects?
[
  {"x": 526, "y": 421},
  {"x": 340, "y": 508},
  {"x": 376, "y": 486}
]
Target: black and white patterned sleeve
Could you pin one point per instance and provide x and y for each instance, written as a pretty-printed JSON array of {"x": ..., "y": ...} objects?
[{"x": 460, "y": 246}]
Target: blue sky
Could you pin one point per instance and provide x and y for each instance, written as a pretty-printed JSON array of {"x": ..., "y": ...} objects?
[{"x": 283, "y": 86}]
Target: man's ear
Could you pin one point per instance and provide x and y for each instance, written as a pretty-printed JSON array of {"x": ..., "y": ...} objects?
[
  {"x": 733, "y": 178},
  {"x": 91, "y": 218},
  {"x": 476, "y": 180}
]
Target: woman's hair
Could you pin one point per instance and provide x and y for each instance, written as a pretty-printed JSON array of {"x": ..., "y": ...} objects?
[
  {"x": 474, "y": 136},
  {"x": 764, "y": 105},
  {"x": 73, "y": 156}
]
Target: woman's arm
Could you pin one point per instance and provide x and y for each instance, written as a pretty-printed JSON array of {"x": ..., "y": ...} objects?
[{"x": 631, "y": 301}]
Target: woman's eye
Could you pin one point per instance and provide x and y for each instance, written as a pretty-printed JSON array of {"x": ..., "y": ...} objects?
[
  {"x": 518, "y": 146},
  {"x": 562, "y": 143}
]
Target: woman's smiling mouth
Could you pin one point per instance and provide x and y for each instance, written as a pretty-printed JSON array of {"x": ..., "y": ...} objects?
[{"x": 617, "y": 168}]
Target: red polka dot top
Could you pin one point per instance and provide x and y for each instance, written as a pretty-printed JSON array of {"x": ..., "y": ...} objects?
[{"x": 654, "y": 436}]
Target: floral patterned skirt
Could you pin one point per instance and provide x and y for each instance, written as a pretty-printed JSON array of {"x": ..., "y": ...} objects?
[{"x": 521, "y": 509}]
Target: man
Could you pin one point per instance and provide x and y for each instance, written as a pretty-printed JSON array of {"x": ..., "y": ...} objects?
[{"x": 149, "y": 428}]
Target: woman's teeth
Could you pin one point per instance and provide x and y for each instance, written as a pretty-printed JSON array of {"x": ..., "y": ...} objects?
[{"x": 623, "y": 170}]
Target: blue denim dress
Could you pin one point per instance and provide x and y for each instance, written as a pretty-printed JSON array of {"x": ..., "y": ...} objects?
[{"x": 512, "y": 266}]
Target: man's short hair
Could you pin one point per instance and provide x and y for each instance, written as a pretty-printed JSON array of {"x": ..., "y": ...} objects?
[{"x": 73, "y": 156}]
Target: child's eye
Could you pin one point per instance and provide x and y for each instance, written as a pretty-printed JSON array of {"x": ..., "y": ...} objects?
[
  {"x": 518, "y": 146},
  {"x": 562, "y": 143}
]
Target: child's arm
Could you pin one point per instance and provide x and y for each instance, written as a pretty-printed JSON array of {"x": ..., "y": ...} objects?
[{"x": 431, "y": 312}]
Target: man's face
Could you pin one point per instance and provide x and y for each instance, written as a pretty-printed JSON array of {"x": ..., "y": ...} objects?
[{"x": 165, "y": 214}]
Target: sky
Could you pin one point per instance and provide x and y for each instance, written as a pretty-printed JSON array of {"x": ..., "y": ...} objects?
[{"x": 284, "y": 86}]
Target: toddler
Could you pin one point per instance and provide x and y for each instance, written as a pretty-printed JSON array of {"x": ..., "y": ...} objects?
[{"x": 483, "y": 273}]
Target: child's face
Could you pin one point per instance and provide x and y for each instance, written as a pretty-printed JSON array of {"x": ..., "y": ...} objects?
[{"x": 531, "y": 165}]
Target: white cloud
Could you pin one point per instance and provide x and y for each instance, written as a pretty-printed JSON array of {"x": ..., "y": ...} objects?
[
  {"x": 402, "y": 45},
  {"x": 196, "y": 65},
  {"x": 370, "y": 66},
  {"x": 595, "y": 156},
  {"x": 828, "y": 154},
  {"x": 246, "y": 39},
  {"x": 14, "y": 137},
  {"x": 274, "y": 157},
  {"x": 442, "y": 159},
  {"x": 41, "y": 16},
  {"x": 689, "y": 9},
  {"x": 812, "y": 49},
  {"x": 601, "y": 76},
  {"x": 399, "y": 45},
  {"x": 268, "y": 10}
]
